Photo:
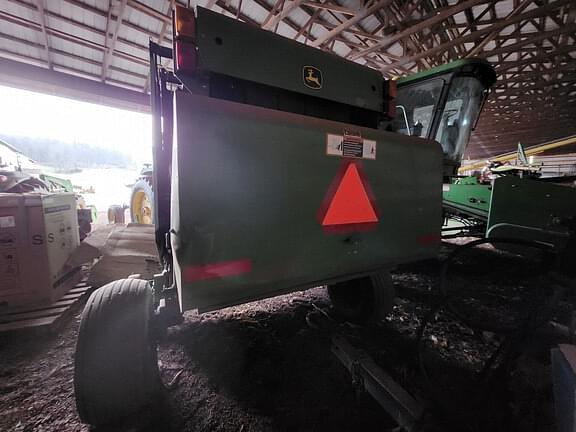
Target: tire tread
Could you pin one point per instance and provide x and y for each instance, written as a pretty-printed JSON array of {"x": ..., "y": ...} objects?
[{"x": 113, "y": 354}]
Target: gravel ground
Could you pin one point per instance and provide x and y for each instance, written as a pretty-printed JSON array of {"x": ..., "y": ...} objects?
[{"x": 261, "y": 367}]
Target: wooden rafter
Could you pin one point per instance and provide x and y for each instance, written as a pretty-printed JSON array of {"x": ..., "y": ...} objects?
[
  {"x": 42, "y": 18},
  {"x": 81, "y": 42},
  {"x": 283, "y": 13},
  {"x": 110, "y": 48},
  {"x": 160, "y": 39},
  {"x": 331, "y": 7},
  {"x": 363, "y": 13},
  {"x": 473, "y": 36},
  {"x": 489, "y": 37},
  {"x": 386, "y": 42}
]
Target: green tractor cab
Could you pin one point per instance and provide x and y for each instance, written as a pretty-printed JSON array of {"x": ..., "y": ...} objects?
[{"x": 444, "y": 104}]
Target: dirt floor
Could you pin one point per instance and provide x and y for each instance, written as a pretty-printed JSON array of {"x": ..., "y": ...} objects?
[
  {"x": 256, "y": 367},
  {"x": 267, "y": 366}
]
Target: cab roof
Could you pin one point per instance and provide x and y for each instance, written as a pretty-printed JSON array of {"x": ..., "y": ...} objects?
[{"x": 476, "y": 65}]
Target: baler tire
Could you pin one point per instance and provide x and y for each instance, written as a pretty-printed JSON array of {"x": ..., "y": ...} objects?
[
  {"x": 385, "y": 294},
  {"x": 364, "y": 300},
  {"x": 116, "y": 368}
]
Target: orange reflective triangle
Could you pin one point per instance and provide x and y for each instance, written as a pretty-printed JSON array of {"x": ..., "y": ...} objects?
[{"x": 350, "y": 204}]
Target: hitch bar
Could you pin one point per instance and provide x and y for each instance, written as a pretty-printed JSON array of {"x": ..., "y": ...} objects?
[{"x": 400, "y": 405}]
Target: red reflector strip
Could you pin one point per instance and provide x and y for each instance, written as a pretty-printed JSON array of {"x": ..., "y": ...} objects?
[
  {"x": 429, "y": 239},
  {"x": 216, "y": 270}
]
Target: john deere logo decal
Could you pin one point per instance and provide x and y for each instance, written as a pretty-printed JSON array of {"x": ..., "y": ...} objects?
[{"x": 312, "y": 77}]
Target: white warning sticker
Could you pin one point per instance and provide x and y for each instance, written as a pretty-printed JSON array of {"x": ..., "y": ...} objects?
[
  {"x": 7, "y": 222},
  {"x": 336, "y": 145}
]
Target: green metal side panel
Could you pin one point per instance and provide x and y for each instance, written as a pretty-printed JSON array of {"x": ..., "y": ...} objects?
[
  {"x": 233, "y": 48},
  {"x": 530, "y": 209},
  {"x": 468, "y": 196},
  {"x": 248, "y": 185}
]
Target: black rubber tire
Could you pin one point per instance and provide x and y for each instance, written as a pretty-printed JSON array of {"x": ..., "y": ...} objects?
[
  {"x": 143, "y": 185},
  {"x": 365, "y": 300},
  {"x": 116, "y": 367},
  {"x": 84, "y": 228}
]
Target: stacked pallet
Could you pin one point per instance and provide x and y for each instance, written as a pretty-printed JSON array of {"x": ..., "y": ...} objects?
[{"x": 47, "y": 318}]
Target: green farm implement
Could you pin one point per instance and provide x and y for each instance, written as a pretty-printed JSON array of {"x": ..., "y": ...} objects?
[{"x": 282, "y": 171}]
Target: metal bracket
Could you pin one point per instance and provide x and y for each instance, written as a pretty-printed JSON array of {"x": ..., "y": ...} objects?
[{"x": 166, "y": 298}]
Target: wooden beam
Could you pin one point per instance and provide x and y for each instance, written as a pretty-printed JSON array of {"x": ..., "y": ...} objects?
[
  {"x": 5, "y": 16},
  {"x": 566, "y": 78},
  {"x": 239, "y": 9},
  {"x": 503, "y": 110},
  {"x": 40, "y": 6},
  {"x": 517, "y": 35},
  {"x": 395, "y": 16},
  {"x": 531, "y": 117},
  {"x": 331, "y": 7},
  {"x": 478, "y": 48},
  {"x": 110, "y": 49},
  {"x": 520, "y": 96},
  {"x": 159, "y": 41},
  {"x": 277, "y": 22},
  {"x": 21, "y": 75},
  {"x": 536, "y": 87},
  {"x": 26, "y": 42},
  {"x": 308, "y": 25},
  {"x": 305, "y": 30},
  {"x": 352, "y": 31},
  {"x": 473, "y": 36},
  {"x": 545, "y": 132},
  {"x": 500, "y": 115},
  {"x": 99, "y": 12},
  {"x": 363, "y": 13},
  {"x": 525, "y": 125},
  {"x": 530, "y": 122},
  {"x": 78, "y": 25},
  {"x": 470, "y": 19},
  {"x": 427, "y": 23},
  {"x": 318, "y": 20},
  {"x": 532, "y": 39},
  {"x": 548, "y": 57},
  {"x": 286, "y": 20},
  {"x": 363, "y": 43},
  {"x": 108, "y": 21},
  {"x": 145, "y": 9},
  {"x": 287, "y": 10},
  {"x": 272, "y": 12},
  {"x": 533, "y": 136}
]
